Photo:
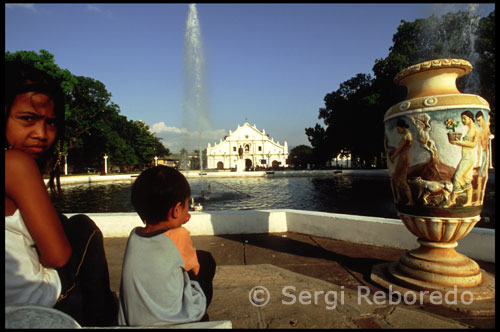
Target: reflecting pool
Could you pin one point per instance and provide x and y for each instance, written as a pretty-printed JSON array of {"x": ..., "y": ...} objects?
[{"x": 366, "y": 195}]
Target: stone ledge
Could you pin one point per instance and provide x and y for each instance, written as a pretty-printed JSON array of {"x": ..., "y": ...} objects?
[{"x": 383, "y": 232}]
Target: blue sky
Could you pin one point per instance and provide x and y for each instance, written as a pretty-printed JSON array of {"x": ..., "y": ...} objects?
[{"x": 269, "y": 63}]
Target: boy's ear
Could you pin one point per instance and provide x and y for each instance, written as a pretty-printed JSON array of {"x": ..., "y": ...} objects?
[{"x": 175, "y": 210}]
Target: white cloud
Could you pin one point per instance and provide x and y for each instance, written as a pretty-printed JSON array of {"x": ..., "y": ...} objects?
[
  {"x": 93, "y": 8},
  {"x": 162, "y": 127},
  {"x": 177, "y": 138},
  {"x": 29, "y": 6}
]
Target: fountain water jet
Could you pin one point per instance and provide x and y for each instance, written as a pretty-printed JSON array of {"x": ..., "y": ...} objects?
[
  {"x": 463, "y": 33},
  {"x": 195, "y": 106}
]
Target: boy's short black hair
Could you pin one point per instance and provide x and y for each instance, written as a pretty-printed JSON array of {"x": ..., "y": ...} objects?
[{"x": 156, "y": 190}]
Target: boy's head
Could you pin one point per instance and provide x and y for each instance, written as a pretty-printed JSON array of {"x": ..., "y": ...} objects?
[{"x": 156, "y": 191}]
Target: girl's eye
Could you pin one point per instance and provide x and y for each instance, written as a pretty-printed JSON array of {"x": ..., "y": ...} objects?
[{"x": 27, "y": 118}]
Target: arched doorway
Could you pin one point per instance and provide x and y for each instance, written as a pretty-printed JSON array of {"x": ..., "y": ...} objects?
[
  {"x": 220, "y": 165},
  {"x": 248, "y": 163},
  {"x": 276, "y": 164}
]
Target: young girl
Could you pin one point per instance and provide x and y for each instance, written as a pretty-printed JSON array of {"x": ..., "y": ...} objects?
[{"x": 50, "y": 260}]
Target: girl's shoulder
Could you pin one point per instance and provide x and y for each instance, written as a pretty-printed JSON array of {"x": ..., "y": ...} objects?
[
  {"x": 16, "y": 157},
  {"x": 19, "y": 164}
]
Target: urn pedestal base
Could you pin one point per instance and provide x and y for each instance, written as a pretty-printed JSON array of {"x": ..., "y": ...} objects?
[
  {"x": 437, "y": 263},
  {"x": 435, "y": 266},
  {"x": 472, "y": 301}
]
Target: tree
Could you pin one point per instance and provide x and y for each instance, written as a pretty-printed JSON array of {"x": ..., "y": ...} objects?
[
  {"x": 351, "y": 117},
  {"x": 87, "y": 130},
  {"x": 485, "y": 46},
  {"x": 300, "y": 156},
  {"x": 146, "y": 145},
  {"x": 323, "y": 144}
]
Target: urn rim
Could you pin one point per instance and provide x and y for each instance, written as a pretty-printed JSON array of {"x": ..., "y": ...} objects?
[
  {"x": 440, "y": 102},
  {"x": 465, "y": 65}
]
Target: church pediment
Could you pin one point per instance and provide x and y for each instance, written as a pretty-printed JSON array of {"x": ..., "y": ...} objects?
[{"x": 247, "y": 132}]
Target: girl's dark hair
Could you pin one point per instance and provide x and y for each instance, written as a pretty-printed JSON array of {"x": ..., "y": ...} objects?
[
  {"x": 156, "y": 190},
  {"x": 468, "y": 114},
  {"x": 20, "y": 78}
]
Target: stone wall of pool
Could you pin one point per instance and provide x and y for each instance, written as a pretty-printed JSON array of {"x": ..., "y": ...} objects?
[
  {"x": 92, "y": 178},
  {"x": 382, "y": 232}
]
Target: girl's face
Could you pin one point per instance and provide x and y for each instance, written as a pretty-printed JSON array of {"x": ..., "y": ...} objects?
[
  {"x": 31, "y": 126},
  {"x": 465, "y": 120}
]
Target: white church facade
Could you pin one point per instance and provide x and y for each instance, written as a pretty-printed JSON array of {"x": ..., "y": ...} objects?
[{"x": 248, "y": 144}]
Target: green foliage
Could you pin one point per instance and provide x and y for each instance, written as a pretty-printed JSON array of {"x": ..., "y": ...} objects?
[
  {"x": 45, "y": 62},
  {"x": 485, "y": 46},
  {"x": 300, "y": 156},
  {"x": 94, "y": 126},
  {"x": 353, "y": 114}
]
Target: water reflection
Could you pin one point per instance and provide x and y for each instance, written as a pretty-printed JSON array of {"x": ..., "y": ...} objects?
[{"x": 364, "y": 195}]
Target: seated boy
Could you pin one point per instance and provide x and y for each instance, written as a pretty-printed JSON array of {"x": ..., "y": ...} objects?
[{"x": 164, "y": 279}]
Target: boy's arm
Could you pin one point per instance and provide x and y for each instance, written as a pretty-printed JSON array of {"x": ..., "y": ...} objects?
[{"x": 180, "y": 236}]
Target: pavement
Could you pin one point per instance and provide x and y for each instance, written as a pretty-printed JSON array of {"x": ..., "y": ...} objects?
[{"x": 293, "y": 280}]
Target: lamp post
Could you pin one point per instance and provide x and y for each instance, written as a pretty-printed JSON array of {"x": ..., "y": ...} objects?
[
  {"x": 105, "y": 164},
  {"x": 66, "y": 164},
  {"x": 156, "y": 161}
]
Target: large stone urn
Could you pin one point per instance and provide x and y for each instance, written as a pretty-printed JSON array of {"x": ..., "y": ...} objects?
[{"x": 437, "y": 145}]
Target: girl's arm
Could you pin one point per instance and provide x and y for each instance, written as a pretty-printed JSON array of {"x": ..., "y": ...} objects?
[
  {"x": 25, "y": 187},
  {"x": 467, "y": 144}
]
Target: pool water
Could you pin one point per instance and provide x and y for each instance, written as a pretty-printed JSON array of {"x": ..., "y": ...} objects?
[{"x": 366, "y": 195}]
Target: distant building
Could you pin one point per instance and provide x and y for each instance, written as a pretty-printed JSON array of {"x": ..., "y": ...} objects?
[
  {"x": 250, "y": 144},
  {"x": 343, "y": 161}
]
